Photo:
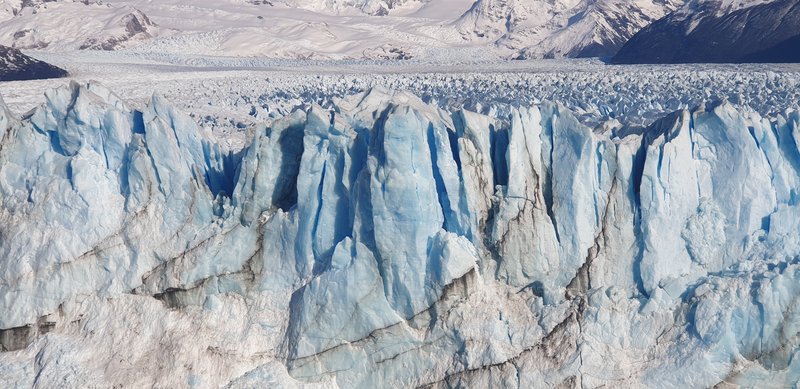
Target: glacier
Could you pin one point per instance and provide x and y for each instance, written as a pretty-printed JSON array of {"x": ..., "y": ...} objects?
[{"x": 389, "y": 242}]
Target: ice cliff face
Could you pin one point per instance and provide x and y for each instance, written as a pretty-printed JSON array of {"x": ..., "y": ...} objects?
[{"x": 391, "y": 243}]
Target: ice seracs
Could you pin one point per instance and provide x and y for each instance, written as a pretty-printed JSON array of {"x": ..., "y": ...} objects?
[
  {"x": 389, "y": 242},
  {"x": 125, "y": 176}
]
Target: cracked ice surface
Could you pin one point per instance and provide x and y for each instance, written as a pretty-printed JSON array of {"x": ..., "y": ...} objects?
[
  {"x": 392, "y": 242},
  {"x": 232, "y": 96}
]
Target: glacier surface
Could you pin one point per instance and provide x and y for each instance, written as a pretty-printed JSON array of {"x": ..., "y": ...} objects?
[{"x": 389, "y": 242}]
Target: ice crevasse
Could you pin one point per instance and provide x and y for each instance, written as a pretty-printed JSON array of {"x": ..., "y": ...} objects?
[{"x": 388, "y": 242}]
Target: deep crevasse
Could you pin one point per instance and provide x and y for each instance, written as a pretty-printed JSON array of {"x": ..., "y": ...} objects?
[{"x": 391, "y": 242}]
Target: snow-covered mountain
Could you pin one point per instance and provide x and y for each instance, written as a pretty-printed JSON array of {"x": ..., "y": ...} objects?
[
  {"x": 332, "y": 28},
  {"x": 288, "y": 29},
  {"x": 576, "y": 28},
  {"x": 73, "y": 25},
  {"x": 719, "y": 31},
  {"x": 389, "y": 243},
  {"x": 395, "y": 29},
  {"x": 15, "y": 66},
  {"x": 379, "y": 29},
  {"x": 370, "y": 7}
]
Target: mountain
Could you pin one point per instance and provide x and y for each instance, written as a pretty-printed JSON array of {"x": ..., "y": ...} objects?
[
  {"x": 389, "y": 243},
  {"x": 16, "y": 66},
  {"x": 128, "y": 27},
  {"x": 73, "y": 25},
  {"x": 332, "y": 29},
  {"x": 787, "y": 51},
  {"x": 369, "y": 7},
  {"x": 535, "y": 29},
  {"x": 649, "y": 30},
  {"x": 719, "y": 31}
]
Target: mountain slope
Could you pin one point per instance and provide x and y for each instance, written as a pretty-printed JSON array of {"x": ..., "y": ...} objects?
[
  {"x": 74, "y": 25},
  {"x": 787, "y": 51},
  {"x": 332, "y": 29},
  {"x": 15, "y": 66},
  {"x": 563, "y": 28},
  {"x": 403, "y": 29},
  {"x": 369, "y": 7},
  {"x": 716, "y": 31}
]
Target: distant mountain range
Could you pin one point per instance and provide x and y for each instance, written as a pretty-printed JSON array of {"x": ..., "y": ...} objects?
[{"x": 625, "y": 31}]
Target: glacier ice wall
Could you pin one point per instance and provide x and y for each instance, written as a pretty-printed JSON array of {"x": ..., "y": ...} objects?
[{"x": 389, "y": 242}]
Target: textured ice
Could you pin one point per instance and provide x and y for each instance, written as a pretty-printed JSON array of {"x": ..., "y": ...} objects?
[
  {"x": 389, "y": 242},
  {"x": 233, "y": 96}
]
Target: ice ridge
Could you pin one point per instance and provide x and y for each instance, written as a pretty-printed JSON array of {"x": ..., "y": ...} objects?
[{"x": 399, "y": 243}]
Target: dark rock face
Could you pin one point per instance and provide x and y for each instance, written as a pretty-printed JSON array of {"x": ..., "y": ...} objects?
[
  {"x": 15, "y": 66},
  {"x": 787, "y": 51},
  {"x": 762, "y": 33}
]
